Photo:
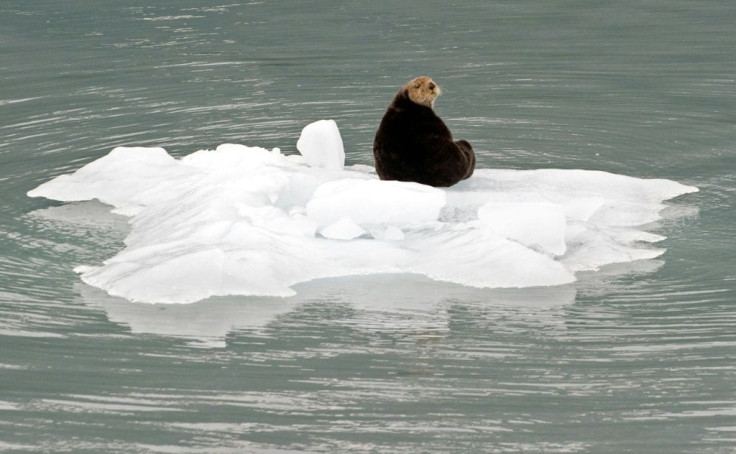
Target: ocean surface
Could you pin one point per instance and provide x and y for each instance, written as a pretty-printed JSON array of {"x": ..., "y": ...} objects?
[{"x": 638, "y": 357}]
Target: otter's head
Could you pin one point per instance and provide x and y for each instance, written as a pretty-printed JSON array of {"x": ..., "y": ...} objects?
[{"x": 422, "y": 91}]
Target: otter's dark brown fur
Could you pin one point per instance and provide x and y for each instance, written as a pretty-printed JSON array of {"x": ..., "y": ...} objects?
[{"x": 414, "y": 144}]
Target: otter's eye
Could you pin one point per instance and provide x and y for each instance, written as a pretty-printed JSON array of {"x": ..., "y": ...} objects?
[
  {"x": 431, "y": 85},
  {"x": 417, "y": 85}
]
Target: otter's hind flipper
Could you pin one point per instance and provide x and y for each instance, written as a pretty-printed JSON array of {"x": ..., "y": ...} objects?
[{"x": 467, "y": 150}]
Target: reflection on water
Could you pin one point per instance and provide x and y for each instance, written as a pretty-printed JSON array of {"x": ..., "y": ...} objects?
[{"x": 382, "y": 303}]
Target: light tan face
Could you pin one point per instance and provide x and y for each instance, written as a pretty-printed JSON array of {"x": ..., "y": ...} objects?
[{"x": 423, "y": 91}]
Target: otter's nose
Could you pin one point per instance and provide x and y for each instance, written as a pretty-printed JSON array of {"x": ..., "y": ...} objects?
[{"x": 432, "y": 85}]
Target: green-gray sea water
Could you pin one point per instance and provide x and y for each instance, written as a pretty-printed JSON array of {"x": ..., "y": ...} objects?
[{"x": 637, "y": 358}]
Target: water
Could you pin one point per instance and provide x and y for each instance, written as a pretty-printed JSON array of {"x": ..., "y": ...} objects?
[{"x": 635, "y": 358}]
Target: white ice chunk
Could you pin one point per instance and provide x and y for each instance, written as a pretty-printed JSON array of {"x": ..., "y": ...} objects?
[
  {"x": 128, "y": 178},
  {"x": 540, "y": 226},
  {"x": 321, "y": 145},
  {"x": 582, "y": 208},
  {"x": 375, "y": 202},
  {"x": 343, "y": 229},
  {"x": 593, "y": 249},
  {"x": 584, "y": 194},
  {"x": 386, "y": 233},
  {"x": 478, "y": 257}
]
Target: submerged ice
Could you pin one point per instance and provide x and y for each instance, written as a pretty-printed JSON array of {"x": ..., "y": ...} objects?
[{"x": 242, "y": 220}]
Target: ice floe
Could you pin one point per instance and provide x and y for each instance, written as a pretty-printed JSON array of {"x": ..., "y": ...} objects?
[{"x": 242, "y": 220}]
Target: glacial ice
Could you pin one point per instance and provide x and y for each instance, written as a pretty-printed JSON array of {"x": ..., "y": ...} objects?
[
  {"x": 242, "y": 220},
  {"x": 321, "y": 145}
]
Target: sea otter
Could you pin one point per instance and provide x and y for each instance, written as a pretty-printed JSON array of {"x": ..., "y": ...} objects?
[{"x": 413, "y": 144}]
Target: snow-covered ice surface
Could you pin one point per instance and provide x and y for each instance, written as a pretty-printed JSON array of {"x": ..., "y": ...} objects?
[{"x": 244, "y": 220}]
